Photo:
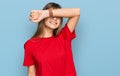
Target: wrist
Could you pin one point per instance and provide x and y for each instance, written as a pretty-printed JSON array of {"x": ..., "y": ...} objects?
[
  {"x": 46, "y": 13},
  {"x": 50, "y": 12}
]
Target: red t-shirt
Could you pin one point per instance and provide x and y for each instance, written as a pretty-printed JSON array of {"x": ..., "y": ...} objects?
[{"x": 51, "y": 56}]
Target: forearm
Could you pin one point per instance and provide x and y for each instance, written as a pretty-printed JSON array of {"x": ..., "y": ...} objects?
[
  {"x": 31, "y": 74},
  {"x": 31, "y": 70},
  {"x": 66, "y": 12},
  {"x": 63, "y": 12},
  {"x": 38, "y": 15}
]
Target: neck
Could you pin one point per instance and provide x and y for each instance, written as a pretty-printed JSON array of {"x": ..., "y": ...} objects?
[{"x": 47, "y": 32}]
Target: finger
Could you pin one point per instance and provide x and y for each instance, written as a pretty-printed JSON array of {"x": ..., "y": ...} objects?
[
  {"x": 33, "y": 17},
  {"x": 35, "y": 20},
  {"x": 30, "y": 18}
]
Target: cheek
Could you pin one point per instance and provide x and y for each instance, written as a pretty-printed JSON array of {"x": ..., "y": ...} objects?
[
  {"x": 59, "y": 22},
  {"x": 46, "y": 21}
]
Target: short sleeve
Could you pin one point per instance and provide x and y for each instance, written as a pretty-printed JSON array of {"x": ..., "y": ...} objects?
[
  {"x": 28, "y": 58},
  {"x": 67, "y": 33}
]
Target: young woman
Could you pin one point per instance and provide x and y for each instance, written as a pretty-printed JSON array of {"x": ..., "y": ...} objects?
[{"x": 49, "y": 51}]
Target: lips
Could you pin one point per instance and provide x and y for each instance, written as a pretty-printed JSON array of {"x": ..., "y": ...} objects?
[{"x": 53, "y": 22}]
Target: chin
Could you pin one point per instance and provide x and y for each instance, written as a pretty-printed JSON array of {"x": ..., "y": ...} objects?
[{"x": 53, "y": 28}]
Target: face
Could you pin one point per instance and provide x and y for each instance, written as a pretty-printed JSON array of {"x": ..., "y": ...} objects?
[{"x": 52, "y": 22}]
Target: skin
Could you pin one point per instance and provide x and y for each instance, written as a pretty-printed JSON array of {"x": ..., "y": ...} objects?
[
  {"x": 31, "y": 70},
  {"x": 52, "y": 23}
]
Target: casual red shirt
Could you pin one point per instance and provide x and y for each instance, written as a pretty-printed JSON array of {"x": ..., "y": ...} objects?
[{"x": 51, "y": 56}]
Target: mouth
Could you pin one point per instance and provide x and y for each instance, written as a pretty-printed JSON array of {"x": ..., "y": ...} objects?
[{"x": 53, "y": 22}]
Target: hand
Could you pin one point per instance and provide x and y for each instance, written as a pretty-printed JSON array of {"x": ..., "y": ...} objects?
[{"x": 38, "y": 15}]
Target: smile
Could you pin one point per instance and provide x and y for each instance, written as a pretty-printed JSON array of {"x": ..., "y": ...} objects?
[{"x": 53, "y": 22}]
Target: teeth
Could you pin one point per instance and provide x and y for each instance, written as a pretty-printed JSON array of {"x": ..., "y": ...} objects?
[{"x": 52, "y": 22}]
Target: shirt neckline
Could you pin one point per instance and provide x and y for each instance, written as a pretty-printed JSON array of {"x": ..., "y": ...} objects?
[{"x": 45, "y": 37}]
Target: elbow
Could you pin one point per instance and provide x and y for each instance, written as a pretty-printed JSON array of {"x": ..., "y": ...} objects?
[{"x": 78, "y": 11}]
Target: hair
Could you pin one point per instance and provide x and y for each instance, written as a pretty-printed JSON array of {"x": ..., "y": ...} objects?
[{"x": 40, "y": 27}]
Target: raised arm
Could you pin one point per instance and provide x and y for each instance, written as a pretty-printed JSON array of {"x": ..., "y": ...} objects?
[{"x": 72, "y": 14}]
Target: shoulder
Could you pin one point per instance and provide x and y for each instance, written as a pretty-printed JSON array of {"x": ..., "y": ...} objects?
[{"x": 30, "y": 42}]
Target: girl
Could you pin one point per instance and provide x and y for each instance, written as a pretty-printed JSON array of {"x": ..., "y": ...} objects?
[{"x": 49, "y": 52}]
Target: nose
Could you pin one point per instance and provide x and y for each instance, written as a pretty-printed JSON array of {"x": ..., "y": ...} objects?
[{"x": 54, "y": 18}]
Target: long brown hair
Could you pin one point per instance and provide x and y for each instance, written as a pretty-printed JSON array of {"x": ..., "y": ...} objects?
[{"x": 41, "y": 23}]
